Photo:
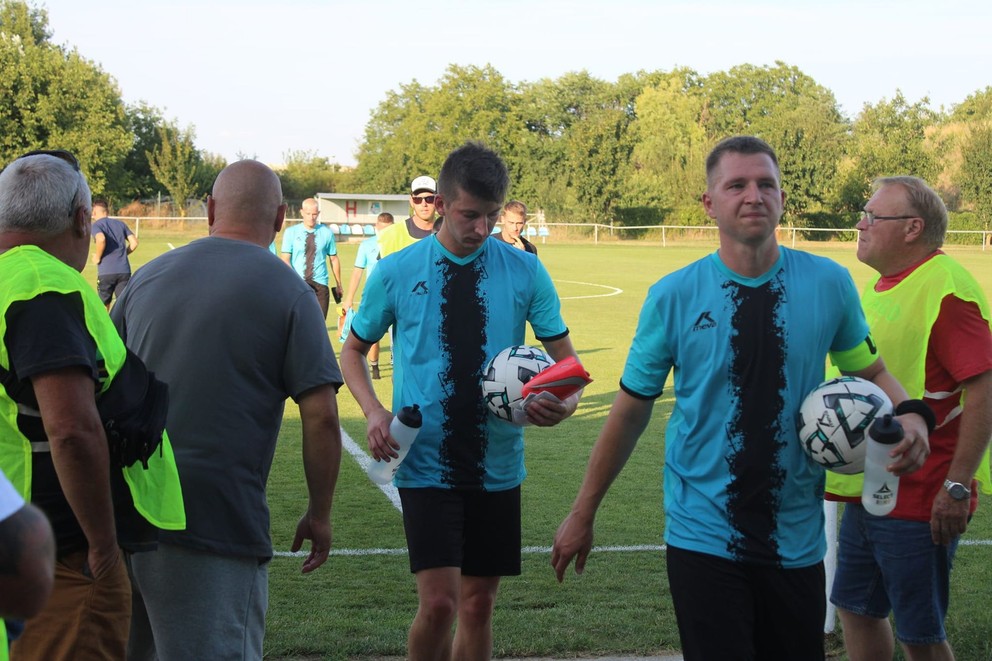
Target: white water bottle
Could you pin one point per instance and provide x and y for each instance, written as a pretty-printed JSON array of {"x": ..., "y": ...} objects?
[
  {"x": 404, "y": 428},
  {"x": 881, "y": 488}
]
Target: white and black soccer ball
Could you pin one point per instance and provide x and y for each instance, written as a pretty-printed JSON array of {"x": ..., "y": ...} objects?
[
  {"x": 505, "y": 376},
  {"x": 834, "y": 420}
]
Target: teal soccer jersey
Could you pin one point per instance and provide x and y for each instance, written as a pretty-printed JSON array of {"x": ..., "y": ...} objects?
[
  {"x": 451, "y": 316},
  {"x": 744, "y": 353},
  {"x": 294, "y": 241}
]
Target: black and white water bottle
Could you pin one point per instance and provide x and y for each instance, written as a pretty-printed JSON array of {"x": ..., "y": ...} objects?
[
  {"x": 404, "y": 429},
  {"x": 881, "y": 488}
]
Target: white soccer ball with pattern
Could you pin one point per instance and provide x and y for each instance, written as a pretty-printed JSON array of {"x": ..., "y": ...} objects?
[
  {"x": 505, "y": 376},
  {"x": 834, "y": 420}
]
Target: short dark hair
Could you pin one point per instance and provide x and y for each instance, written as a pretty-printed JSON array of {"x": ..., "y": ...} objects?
[
  {"x": 515, "y": 206},
  {"x": 100, "y": 202},
  {"x": 475, "y": 169},
  {"x": 739, "y": 144},
  {"x": 384, "y": 217}
]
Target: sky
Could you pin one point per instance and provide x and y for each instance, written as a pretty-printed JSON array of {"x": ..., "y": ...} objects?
[{"x": 262, "y": 79}]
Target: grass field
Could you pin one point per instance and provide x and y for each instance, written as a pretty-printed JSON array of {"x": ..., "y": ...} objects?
[{"x": 360, "y": 603}]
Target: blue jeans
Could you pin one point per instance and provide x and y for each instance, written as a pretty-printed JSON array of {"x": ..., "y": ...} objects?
[{"x": 890, "y": 565}]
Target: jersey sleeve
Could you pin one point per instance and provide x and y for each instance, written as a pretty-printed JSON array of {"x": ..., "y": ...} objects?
[
  {"x": 650, "y": 359},
  {"x": 287, "y": 240},
  {"x": 961, "y": 340},
  {"x": 375, "y": 315},
  {"x": 545, "y": 308}
]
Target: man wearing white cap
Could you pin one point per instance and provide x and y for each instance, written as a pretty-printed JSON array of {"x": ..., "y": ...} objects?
[{"x": 421, "y": 224}]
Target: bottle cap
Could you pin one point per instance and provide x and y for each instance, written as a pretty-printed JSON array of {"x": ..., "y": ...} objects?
[
  {"x": 411, "y": 416},
  {"x": 886, "y": 430}
]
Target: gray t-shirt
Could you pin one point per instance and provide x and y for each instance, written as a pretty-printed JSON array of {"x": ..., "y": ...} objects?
[{"x": 234, "y": 333}]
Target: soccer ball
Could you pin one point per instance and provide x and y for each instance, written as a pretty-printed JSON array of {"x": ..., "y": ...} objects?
[
  {"x": 505, "y": 376},
  {"x": 834, "y": 419}
]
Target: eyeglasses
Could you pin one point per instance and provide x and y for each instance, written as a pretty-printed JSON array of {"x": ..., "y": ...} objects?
[
  {"x": 871, "y": 218},
  {"x": 429, "y": 199},
  {"x": 57, "y": 153}
]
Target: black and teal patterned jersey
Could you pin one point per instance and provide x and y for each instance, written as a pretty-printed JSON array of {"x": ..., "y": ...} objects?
[
  {"x": 451, "y": 315},
  {"x": 744, "y": 352}
]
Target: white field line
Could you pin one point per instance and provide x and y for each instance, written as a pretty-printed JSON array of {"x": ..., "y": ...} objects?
[
  {"x": 613, "y": 291},
  {"x": 364, "y": 461},
  {"x": 171, "y": 247}
]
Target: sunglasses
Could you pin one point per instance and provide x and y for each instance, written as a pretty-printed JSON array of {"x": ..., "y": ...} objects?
[
  {"x": 57, "y": 153},
  {"x": 429, "y": 199}
]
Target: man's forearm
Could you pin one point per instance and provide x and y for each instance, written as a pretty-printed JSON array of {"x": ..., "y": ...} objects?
[{"x": 321, "y": 447}]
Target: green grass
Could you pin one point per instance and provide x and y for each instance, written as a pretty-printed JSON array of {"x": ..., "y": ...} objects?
[{"x": 361, "y": 605}]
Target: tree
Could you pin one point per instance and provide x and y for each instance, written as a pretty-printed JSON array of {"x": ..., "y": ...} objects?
[
  {"x": 132, "y": 177},
  {"x": 53, "y": 98},
  {"x": 888, "y": 138},
  {"x": 794, "y": 114},
  {"x": 305, "y": 174},
  {"x": 976, "y": 171},
  {"x": 176, "y": 164}
]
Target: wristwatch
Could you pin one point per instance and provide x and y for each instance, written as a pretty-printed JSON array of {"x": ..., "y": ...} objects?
[{"x": 957, "y": 490}]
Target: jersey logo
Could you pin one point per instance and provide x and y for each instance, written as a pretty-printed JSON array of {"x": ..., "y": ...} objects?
[
  {"x": 704, "y": 321},
  {"x": 420, "y": 288}
]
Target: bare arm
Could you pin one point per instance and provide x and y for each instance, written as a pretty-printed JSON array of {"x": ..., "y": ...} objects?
[
  {"x": 79, "y": 452},
  {"x": 336, "y": 270},
  {"x": 624, "y": 425},
  {"x": 355, "y": 367},
  {"x": 27, "y": 562},
  {"x": 132, "y": 243},
  {"x": 353, "y": 283},
  {"x": 286, "y": 257},
  {"x": 949, "y": 517},
  {"x": 321, "y": 462},
  {"x": 909, "y": 454},
  {"x": 99, "y": 245}
]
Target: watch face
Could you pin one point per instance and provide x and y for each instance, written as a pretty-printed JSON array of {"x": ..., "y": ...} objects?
[{"x": 957, "y": 491}]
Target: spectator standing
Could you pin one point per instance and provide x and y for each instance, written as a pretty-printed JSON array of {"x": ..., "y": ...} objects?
[
  {"x": 930, "y": 319},
  {"x": 62, "y": 360},
  {"x": 232, "y": 354}
]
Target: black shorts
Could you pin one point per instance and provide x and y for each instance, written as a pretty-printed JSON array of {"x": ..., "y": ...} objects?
[
  {"x": 478, "y": 531},
  {"x": 729, "y": 610},
  {"x": 108, "y": 286}
]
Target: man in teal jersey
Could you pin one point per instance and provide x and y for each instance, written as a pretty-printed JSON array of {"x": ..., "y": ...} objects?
[
  {"x": 746, "y": 331},
  {"x": 307, "y": 247},
  {"x": 456, "y": 299},
  {"x": 365, "y": 261}
]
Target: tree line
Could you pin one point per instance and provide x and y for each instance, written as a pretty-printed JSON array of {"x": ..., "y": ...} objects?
[{"x": 629, "y": 151}]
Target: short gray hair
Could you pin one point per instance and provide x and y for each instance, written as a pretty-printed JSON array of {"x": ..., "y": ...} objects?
[
  {"x": 41, "y": 193},
  {"x": 924, "y": 201}
]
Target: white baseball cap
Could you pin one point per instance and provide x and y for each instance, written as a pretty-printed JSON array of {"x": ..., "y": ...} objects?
[{"x": 423, "y": 183}]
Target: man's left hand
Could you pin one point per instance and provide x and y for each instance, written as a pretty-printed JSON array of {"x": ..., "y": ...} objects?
[
  {"x": 948, "y": 517},
  {"x": 319, "y": 532}
]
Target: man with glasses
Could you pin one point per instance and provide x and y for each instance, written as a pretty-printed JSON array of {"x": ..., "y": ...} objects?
[
  {"x": 306, "y": 247},
  {"x": 418, "y": 226},
  {"x": 61, "y": 361},
  {"x": 930, "y": 319}
]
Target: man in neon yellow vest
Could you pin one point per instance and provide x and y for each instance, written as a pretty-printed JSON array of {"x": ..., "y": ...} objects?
[
  {"x": 930, "y": 320},
  {"x": 59, "y": 356}
]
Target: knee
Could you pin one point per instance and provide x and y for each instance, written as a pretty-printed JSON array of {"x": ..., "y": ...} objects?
[
  {"x": 477, "y": 609},
  {"x": 439, "y": 608}
]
